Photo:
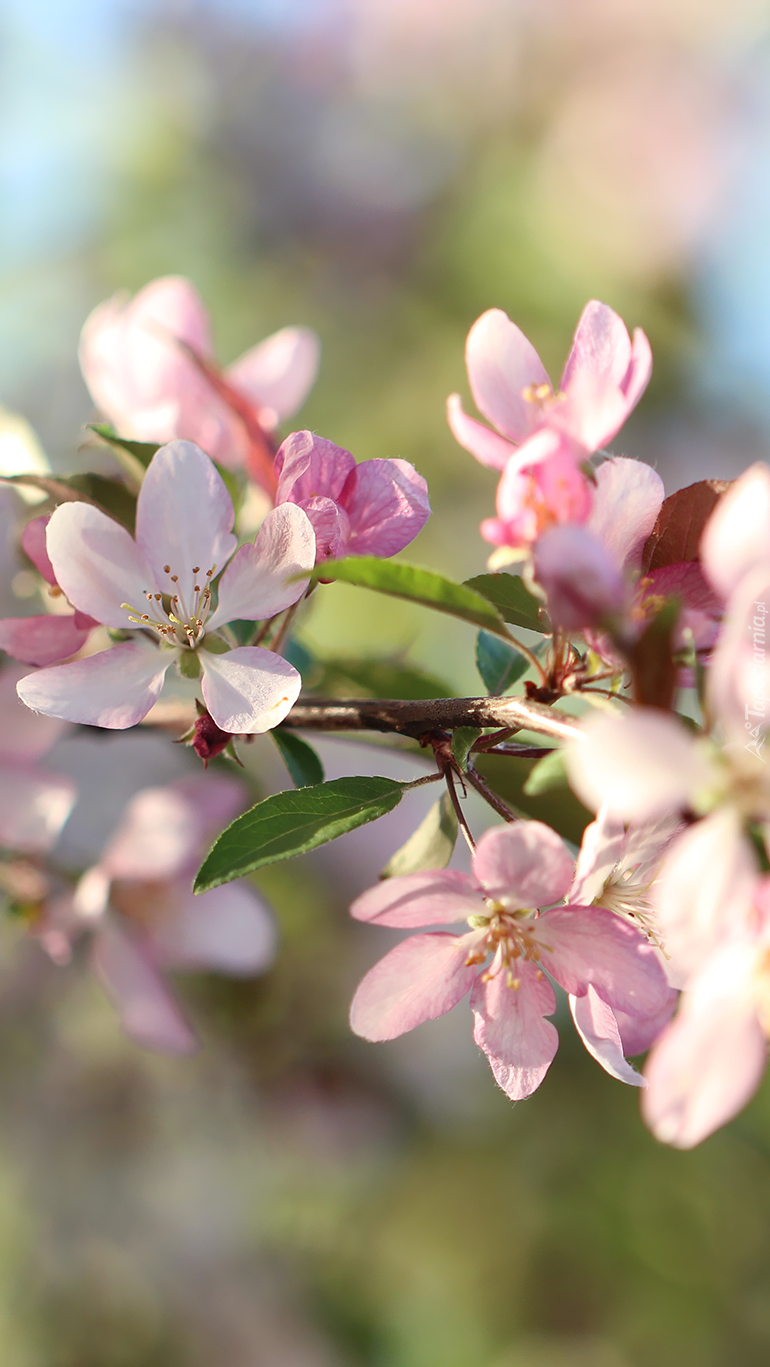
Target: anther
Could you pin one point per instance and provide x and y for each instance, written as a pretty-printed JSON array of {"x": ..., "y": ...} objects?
[{"x": 167, "y": 569}]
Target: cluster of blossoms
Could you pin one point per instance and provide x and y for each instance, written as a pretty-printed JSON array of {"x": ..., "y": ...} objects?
[{"x": 652, "y": 612}]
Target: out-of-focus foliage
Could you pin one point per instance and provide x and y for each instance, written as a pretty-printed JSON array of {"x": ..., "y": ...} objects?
[{"x": 383, "y": 171}]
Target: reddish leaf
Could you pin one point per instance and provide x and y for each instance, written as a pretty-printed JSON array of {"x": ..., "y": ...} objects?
[{"x": 682, "y": 517}]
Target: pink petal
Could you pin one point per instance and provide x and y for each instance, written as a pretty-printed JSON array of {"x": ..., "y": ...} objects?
[
  {"x": 604, "y": 377},
  {"x": 685, "y": 580},
  {"x": 148, "y": 1013},
  {"x": 640, "y": 764},
  {"x": 278, "y": 374},
  {"x": 639, "y": 1033},
  {"x": 115, "y": 688},
  {"x": 524, "y": 864},
  {"x": 600, "y": 850},
  {"x": 184, "y": 516},
  {"x": 597, "y": 1027},
  {"x": 159, "y": 836},
  {"x": 214, "y": 799},
  {"x": 502, "y": 366},
  {"x": 422, "y": 978},
  {"x": 33, "y": 543},
  {"x": 421, "y": 899},
  {"x": 626, "y": 503},
  {"x": 41, "y": 640},
  {"x": 509, "y": 1027},
  {"x": 736, "y": 538},
  {"x": 710, "y": 1060},
  {"x": 387, "y": 503},
  {"x": 248, "y": 690},
  {"x": 97, "y": 564},
  {"x": 229, "y": 930},
  {"x": 331, "y": 525},
  {"x": 601, "y": 347},
  {"x": 34, "y": 806},
  {"x": 705, "y": 887},
  {"x": 589, "y": 946},
  {"x": 487, "y": 446},
  {"x": 261, "y": 578},
  {"x": 738, "y": 682},
  {"x": 581, "y": 579},
  {"x": 26, "y": 736},
  {"x": 308, "y": 466}
]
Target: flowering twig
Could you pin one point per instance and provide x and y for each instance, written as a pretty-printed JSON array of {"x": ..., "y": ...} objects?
[{"x": 418, "y": 718}]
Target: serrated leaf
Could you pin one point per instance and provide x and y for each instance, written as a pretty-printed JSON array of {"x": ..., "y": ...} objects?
[
  {"x": 380, "y": 679},
  {"x": 462, "y": 739},
  {"x": 300, "y": 758},
  {"x": 498, "y": 663},
  {"x": 511, "y": 597},
  {"x": 417, "y": 585},
  {"x": 431, "y": 845},
  {"x": 294, "y": 822},
  {"x": 546, "y": 774}
]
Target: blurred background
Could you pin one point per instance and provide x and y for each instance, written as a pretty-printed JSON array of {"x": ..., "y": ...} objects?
[{"x": 381, "y": 170}]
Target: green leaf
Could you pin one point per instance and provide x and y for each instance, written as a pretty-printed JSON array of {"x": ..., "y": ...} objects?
[
  {"x": 507, "y": 774},
  {"x": 141, "y": 451},
  {"x": 463, "y": 738},
  {"x": 511, "y": 597},
  {"x": 300, "y": 758},
  {"x": 546, "y": 774},
  {"x": 431, "y": 845},
  {"x": 498, "y": 663},
  {"x": 416, "y": 584},
  {"x": 292, "y": 823},
  {"x": 110, "y": 495},
  {"x": 235, "y": 485},
  {"x": 380, "y": 679}
]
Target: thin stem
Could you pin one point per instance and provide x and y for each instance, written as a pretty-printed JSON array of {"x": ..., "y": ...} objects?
[
  {"x": 459, "y": 813},
  {"x": 480, "y": 784},
  {"x": 528, "y": 655},
  {"x": 280, "y": 635},
  {"x": 420, "y": 782}
]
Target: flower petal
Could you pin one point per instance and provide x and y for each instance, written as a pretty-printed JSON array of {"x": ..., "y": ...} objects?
[
  {"x": 502, "y": 366},
  {"x": 422, "y": 978},
  {"x": 308, "y": 466},
  {"x": 580, "y": 577},
  {"x": 584, "y": 947},
  {"x": 278, "y": 374},
  {"x": 184, "y": 516},
  {"x": 387, "y": 503},
  {"x": 229, "y": 930},
  {"x": 148, "y": 1013},
  {"x": 248, "y": 690},
  {"x": 604, "y": 377},
  {"x": 600, "y": 850},
  {"x": 597, "y": 1027},
  {"x": 158, "y": 837},
  {"x": 639, "y": 765},
  {"x": 34, "y": 806},
  {"x": 639, "y": 1033},
  {"x": 524, "y": 864},
  {"x": 736, "y": 538},
  {"x": 115, "y": 688},
  {"x": 487, "y": 446},
  {"x": 33, "y": 543},
  {"x": 626, "y": 502},
  {"x": 509, "y": 1027},
  {"x": 42, "y": 640},
  {"x": 25, "y": 736},
  {"x": 710, "y": 1060},
  {"x": 97, "y": 564},
  {"x": 421, "y": 899},
  {"x": 261, "y": 578}
]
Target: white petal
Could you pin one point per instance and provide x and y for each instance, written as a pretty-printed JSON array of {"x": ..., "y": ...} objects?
[
  {"x": 97, "y": 564},
  {"x": 639, "y": 764},
  {"x": 115, "y": 688},
  {"x": 229, "y": 930},
  {"x": 249, "y": 690},
  {"x": 184, "y": 516},
  {"x": 259, "y": 581}
]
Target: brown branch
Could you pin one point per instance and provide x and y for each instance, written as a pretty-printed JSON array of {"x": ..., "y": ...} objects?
[{"x": 418, "y": 718}]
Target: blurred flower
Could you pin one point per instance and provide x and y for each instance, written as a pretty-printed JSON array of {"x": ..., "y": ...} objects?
[
  {"x": 47, "y": 638},
  {"x": 184, "y": 515},
  {"x": 516, "y": 869},
  {"x": 375, "y": 508},
  {"x": 145, "y": 921},
  {"x": 34, "y": 804}
]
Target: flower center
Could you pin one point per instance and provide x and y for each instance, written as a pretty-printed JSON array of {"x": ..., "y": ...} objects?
[
  {"x": 176, "y": 615},
  {"x": 628, "y": 896},
  {"x": 509, "y": 938},
  {"x": 542, "y": 395}
]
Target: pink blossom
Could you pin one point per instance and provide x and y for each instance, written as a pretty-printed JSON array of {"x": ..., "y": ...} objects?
[
  {"x": 43, "y": 639},
  {"x": 159, "y": 587},
  {"x": 34, "y": 803},
  {"x": 145, "y": 922},
  {"x": 710, "y": 1059},
  {"x": 375, "y": 508},
  {"x": 604, "y": 378},
  {"x": 151, "y": 389},
  {"x": 504, "y": 956}
]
